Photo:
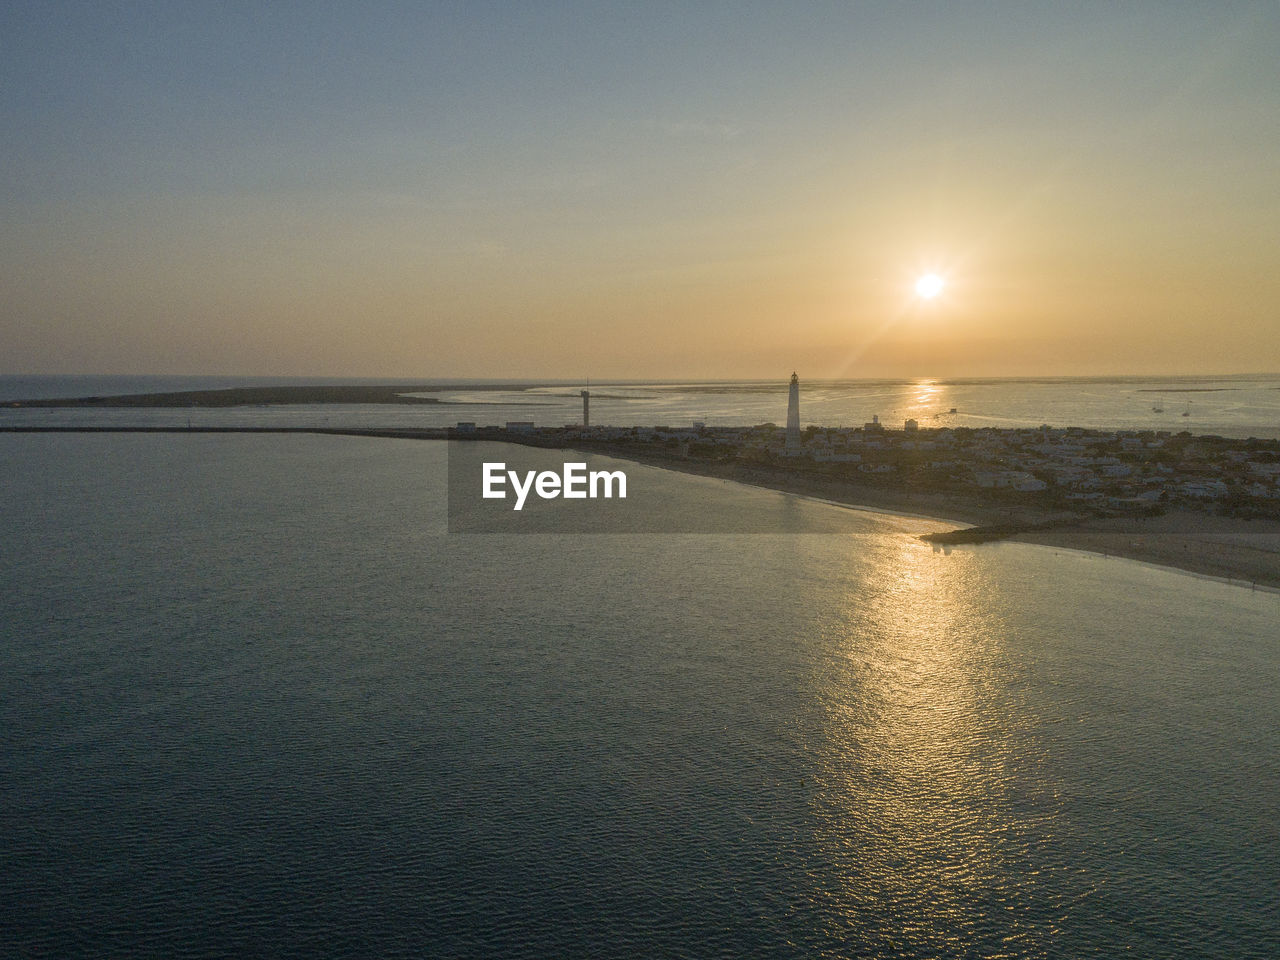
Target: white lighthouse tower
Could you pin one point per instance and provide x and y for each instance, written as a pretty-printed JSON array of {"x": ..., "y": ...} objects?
[{"x": 793, "y": 414}]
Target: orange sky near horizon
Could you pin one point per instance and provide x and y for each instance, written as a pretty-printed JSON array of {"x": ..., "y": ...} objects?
[{"x": 570, "y": 191}]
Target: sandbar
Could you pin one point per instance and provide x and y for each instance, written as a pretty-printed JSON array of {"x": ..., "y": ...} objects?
[{"x": 270, "y": 396}]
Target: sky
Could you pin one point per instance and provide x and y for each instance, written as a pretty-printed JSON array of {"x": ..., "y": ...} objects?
[{"x": 639, "y": 190}]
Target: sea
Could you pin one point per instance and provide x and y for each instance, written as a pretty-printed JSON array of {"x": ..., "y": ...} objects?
[
  {"x": 1236, "y": 406},
  {"x": 256, "y": 700}
]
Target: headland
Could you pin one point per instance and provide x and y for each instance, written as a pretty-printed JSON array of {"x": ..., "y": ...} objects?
[
  {"x": 267, "y": 396},
  {"x": 1204, "y": 504}
]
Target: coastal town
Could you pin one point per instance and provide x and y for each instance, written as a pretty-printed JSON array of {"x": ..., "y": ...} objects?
[
  {"x": 1032, "y": 470},
  {"x": 1205, "y": 503},
  {"x": 1094, "y": 472}
]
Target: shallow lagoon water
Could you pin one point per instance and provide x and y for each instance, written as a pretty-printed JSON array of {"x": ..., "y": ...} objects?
[{"x": 256, "y": 700}]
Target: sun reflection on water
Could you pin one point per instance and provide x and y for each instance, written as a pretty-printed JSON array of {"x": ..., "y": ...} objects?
[
  {"x": 913, "y": 802},
  {"x": 926, "y": 401}
]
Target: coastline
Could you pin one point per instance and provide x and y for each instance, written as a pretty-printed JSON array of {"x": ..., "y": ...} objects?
[
  {"x": 1245, "y": 552},
  {"x": 946, "y": 508},
  {"x": 398, "y": 394},
  {"x": 1242, "y": 552}
]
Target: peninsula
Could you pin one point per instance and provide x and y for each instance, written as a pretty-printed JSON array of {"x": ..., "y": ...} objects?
[
  {"x": 268, "y": 396},
  {"x": 1206, "y": 504}
]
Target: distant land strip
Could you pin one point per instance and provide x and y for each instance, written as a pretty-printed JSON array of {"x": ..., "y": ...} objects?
[
  {"x": 266, "y": 396},
  {"x": 406, "y": 433}
]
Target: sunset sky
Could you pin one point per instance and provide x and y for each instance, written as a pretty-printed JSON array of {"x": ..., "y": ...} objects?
[{"x": 683, "y": 190}]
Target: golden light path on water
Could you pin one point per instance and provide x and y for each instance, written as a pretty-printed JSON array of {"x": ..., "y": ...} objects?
[
  {"x": 925, "y": 399},
  {"x": 913, "y": 806}
]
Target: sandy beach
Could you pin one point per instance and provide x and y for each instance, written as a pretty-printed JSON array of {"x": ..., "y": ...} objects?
[
  {"x": 948, "y": 507},
  {"x": 1227, "y": 547},
  {"x": 1245, "y": 551},
  {"x": 1239, "y": 550}
]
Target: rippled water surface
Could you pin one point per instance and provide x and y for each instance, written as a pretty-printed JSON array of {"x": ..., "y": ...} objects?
[{"x": 254, "y": 701}]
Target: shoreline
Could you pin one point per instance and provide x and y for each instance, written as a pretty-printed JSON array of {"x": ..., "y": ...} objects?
[
  {"x": 292, "y": 395},
  {"x": 928, "y": 505},
  {"x": 1240, "y": 552}
]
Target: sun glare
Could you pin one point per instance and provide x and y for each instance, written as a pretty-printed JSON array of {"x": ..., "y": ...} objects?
[{"x": 929, "y": 286}]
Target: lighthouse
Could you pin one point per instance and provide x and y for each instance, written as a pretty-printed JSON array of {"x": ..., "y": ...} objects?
[
  {"x": 586, "y": 408},
  {"x": 793, "y": 414}
]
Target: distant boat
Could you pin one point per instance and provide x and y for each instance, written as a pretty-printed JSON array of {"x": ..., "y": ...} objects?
[
  {"x": 952, "y": 410},
  {"x": 1187, "y": 412},
  {"x": 1159, "y": 407}
]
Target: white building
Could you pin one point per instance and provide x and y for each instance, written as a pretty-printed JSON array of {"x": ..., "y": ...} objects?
[{"x": 793, "y": 414}]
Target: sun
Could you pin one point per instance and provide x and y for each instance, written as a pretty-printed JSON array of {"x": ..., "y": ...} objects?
[{"x": 929, "y": 286}]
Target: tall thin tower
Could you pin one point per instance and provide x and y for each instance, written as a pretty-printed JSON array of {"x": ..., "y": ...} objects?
[
  {"x": 793, "y": 413},
  {"x": 586, "y": 408}
]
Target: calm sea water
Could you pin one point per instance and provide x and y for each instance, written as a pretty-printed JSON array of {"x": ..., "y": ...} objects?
[
  {"x": 1239, "y": 406},
  {"x": 254, "y": 701}
]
